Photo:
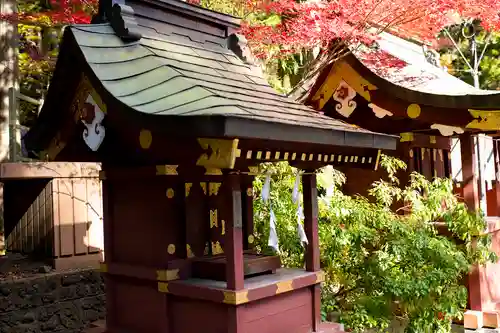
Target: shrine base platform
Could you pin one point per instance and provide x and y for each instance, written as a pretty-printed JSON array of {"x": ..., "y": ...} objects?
[{"x": 100, "y": 327}]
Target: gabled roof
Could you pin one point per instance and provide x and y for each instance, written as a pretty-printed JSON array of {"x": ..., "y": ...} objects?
[
  {"x": 419, "y": 74},
  {"x": 418, "y": 96},
  {"x": 177, "y": 61},
  {"x": 170, "y": 74}
]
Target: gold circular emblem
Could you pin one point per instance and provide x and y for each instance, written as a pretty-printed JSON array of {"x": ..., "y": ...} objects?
[
  {"x": 145, "y": 139},
  {"x": 170, "y": 193},
  {"x": 171, "y": 249},
  {"x": 413, "y": 110},
  {"x": 250, "y": 239}
]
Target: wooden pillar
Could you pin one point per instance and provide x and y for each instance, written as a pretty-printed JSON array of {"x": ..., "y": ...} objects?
[
  {"x": 234, "y": 234},
  {"x": 471, "y": 198},
  {"x": 496, "y": 152},
  {"x": 312, "y": 252},
  {"x": 311, "y": 221},
  {"x": 108, "y": 222},
  {"x": 469, "y": 175}
]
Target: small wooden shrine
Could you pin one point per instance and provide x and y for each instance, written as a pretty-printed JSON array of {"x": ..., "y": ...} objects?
[
  {"x": 163, "y": 94},
  {"x": 426, "y": 106}
]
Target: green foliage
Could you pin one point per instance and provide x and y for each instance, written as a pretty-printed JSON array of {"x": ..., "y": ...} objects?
[
  {"x": 489, "y": 67},
  {"x": 381, "y": 265},
  {"x": 229, "y": 7}
]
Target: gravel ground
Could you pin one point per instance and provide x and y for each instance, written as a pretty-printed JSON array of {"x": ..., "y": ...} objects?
[{"x": 16, "y": 266}]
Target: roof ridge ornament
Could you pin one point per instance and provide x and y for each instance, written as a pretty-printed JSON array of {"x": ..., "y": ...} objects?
[
  {"x": 239, "y": 45},
  {"x": 120, "y": 17}
]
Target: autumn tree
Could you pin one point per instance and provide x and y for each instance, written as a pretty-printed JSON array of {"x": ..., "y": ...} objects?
[
  {"x": 293, "y": 37},
  {"x": 296, "y": 32},
  {"x": 39, "y": 26}
]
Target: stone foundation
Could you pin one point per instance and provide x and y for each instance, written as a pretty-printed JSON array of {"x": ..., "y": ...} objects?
[{"x": 56, "y": 302}]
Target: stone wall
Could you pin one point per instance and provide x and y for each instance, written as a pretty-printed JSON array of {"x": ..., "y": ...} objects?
[{"x": 54, "y": 302}]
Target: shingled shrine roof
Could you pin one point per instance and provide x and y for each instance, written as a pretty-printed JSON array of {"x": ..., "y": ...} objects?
[
  {"x": 174, "y": 75},
  {"x": 418, "y": 96},
  {"x": 422, "y": 71},
  {"x": 171, "y": 65},
  {"x": 418, "y": 74}
]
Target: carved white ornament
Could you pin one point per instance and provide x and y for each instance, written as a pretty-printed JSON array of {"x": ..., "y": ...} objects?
[
  {"x": 446, "y": 130},
  {"x": 379, "y": 112},
  {"x": 92, "y": 117},
  {"x": 344, "y": 95}
]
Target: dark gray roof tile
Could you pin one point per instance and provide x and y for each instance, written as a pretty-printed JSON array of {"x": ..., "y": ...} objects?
[
  {"x": 140, "y": 82},
  {"x": 176, "y": 103},
  {"x": 123, "y": 70},
  {"x": 167, "y": 73},
  {"x": 175, "y": 85},
  {"x": 113, "y": 55}
]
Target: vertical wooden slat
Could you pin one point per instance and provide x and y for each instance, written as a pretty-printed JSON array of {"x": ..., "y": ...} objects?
[
  {"x": 25, "y": 234},
  {"x": 56, "y": 217},
  {"x": 447, "y": 163},
  {"x": 17, "y": 233},
  {"x": 94, "y": 213},
  {"x": 426, "y": 160},
  {"x": 417, "y": 159},
  {"x": 37, "y": 217},
  {"x": 66, "y": 216},
  {"x": 13, "y": 242},
  {"x": 80, "y": 215},
  {"x": 234, "y": 232},
  {"x": 4, "y": 241},
  {"x": 29, "y": 229},
  {"x": 441, "y": 163},
  {"x": 247, "y": 206},
  {"x": 496, "y": 155},
  {"x": 50, "y": 245},
  {"x": 469, "y": 174}
]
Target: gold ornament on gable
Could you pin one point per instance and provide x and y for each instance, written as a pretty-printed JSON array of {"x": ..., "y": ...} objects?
[{"x": 219, "y": 154}]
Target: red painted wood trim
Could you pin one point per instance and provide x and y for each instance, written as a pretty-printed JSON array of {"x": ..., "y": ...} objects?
[
  {"x": 311, "y": 221},
  {"x": 108, "y": 225},
  {"x": 232, "y": 319},
  {"x": 246, "y": 189},
  {"x": 439, "y": 162},
  {"x": 496, "y": 152},
  {"x": 234, "y": 234},
  {"x": 469, "y": 179},
  {"x": 316, "y": 307},
  {"x": 471, "y": 199},
  {"x": 424, "y": 141},
  {"x": 183, "y": 267},
  {"x": 197, "y": 289}
]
